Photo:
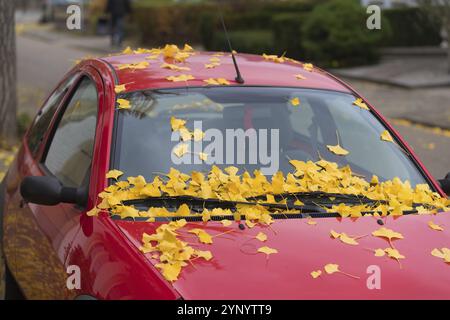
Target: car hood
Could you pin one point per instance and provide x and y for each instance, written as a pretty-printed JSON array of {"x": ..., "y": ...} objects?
[{"x": 238, "y": 271}]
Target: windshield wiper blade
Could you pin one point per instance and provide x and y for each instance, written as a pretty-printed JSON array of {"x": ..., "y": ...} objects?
[
  {"x": 198, "y": 204},
  {"x": 320, "y": 196}
]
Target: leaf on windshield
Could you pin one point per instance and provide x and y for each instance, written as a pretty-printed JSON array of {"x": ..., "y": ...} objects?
[
  {"x": 434, "y": 226},
  {"x": 295, "y": 102},
  {"x": 386, "y": 136},
  {"x": 203, "y": 156},
  {"x": 338, "y": 150},
  {"x": 360, "y": 103},
  {"x": 113, "y": 174},
  {"x": 177, "y": 124},
  {"x": 181, "y": 149},
  {"x": 123, "y": 104}
]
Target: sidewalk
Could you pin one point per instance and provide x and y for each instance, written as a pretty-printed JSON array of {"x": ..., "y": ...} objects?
[{"x": 411, "y": 68}]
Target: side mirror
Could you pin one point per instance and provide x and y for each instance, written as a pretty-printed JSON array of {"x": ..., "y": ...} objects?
[
  {"x": 445, "y": 184},
  {"x": 49, "y": 191}
]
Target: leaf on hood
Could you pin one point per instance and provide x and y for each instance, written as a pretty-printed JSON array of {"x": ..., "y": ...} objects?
[
  {"x": 261, "y": 236},
  {"x": 268, "y": 251},
  {"x": 434, "y": 226}
]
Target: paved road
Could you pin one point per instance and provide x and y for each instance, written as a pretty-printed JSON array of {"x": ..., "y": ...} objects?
[{"x": 42, "y": 62}]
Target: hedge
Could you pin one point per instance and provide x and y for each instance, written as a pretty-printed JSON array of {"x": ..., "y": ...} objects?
[
  {"x": 412, "y": 27},
  {"x": 330, "y": 33}
]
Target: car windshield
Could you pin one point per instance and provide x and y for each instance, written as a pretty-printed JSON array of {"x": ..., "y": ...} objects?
[{"x": 252, "y": 128}]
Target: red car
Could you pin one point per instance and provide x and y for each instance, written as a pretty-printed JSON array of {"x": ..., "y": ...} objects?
[{"x": 115, "y": 113}]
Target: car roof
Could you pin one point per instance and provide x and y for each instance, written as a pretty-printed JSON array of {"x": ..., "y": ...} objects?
[{"x": 255, "y": 69}]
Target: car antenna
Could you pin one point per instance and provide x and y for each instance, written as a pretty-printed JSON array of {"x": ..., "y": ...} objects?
[{"x": 238, "y": 78}]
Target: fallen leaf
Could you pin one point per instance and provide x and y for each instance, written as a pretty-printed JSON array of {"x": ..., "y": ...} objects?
[
  {"x": 331, "y": 268},
  {"x": 268, "y": 251},
  {"x": 93, "y": 212},
  {"x": 316, "y": 274},
  {"x": 119, "y": 88},
  {"x": 295, "y": 102},
  {"x": 181, "y": 77},
  {"x": 338, "y": 150},
  {"x": 123, "y": 104},
  {"x": 203, "y": 156},
  {"x": 261, "y": 236},
  {"x": 360, "y": 103},
  {"x": 434, "y": 226},
  {"x": 386, "y": 136},
  {"x": 177, "y": 124},
  {"x": 202, "y": 235},
  {"x": 113, "y": 174},
  {"x": 226, "y": 222},
  {"x": 181, "y": 149}
]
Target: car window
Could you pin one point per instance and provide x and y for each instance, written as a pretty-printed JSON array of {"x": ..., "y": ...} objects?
[
  {"x": 253, "y": 128},
  {"x": 42, "y": 121},
  {"x": 70, "y": 153}
]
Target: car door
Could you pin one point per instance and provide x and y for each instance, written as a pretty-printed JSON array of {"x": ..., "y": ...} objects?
[{"x": 44, "y": 234}]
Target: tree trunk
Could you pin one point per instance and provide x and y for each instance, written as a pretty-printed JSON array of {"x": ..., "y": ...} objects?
[{"x": 8, "y": 91}]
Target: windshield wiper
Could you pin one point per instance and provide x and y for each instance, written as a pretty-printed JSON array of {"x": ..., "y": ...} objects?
[
  {"x": 197, "y": 204},
  {"x": 324, "y": 198}
]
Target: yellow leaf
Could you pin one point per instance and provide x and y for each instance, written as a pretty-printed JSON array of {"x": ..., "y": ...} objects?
[
  {"x": 387, "y": 233},
  {"x": 207, "y": 255},
  {"x": 113, "y": 174},
  {"x": 444, "y": 253},
  {"x": 249, "y": 223},
  {"x": 211, "y": 65},
  {"x": 295, "y": 101},
  {"x": 170, "y": 271},
  {"x": 174, "y": 67},
  {"x": 226, "y": 222},
  {"x": 434, "y": 226},
  {"x": 379, "y": 252},
  {"x": 181, "y": 149},
  {"x": 300, "y": 77},
  {"x": 347, "y": 239},
  {"x": 316, "y": 274},
  {"x": 331, "y": 268},
  {"x": 203, "y": 156},
  {"x": 386, "y": 136},
  {"x": 177, "y": 124},
  {"x": 261, "y": 236},
  {"x": 123, "y": 104},
  {"x": 119, "y": 88},
  {"x": 394, "y": 254},
  {"x": 181, "y": 77},
  {"x": 93, "y": 212},
  {"x": 216, "y": 82},
  {"x": 202, "y": 235},
  {"x": 198, "y": 134},
  {"x": 267, "y": 250},
  {"x": 338, "y": 150},
  {"x": 183, "y": 210},
  {"x": 127, "y": 50},
  {"x": 308, "y": 67},
  {"x": 360, "y": 103},
  {"x": 311, "y": 222}
]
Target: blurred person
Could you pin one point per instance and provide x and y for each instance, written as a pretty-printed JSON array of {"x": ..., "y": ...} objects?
[{"x": 118, "y": 10}]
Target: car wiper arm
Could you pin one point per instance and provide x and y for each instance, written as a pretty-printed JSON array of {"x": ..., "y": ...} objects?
[{"x": 198, "y": 204}]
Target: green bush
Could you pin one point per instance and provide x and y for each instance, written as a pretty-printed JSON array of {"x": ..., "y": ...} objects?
[
  {"x": 245, "y": 41},
  {"x": 335, "y": 35},
  {"x": 412, "y": 27},
  {"x": 287, "y": 30}
]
